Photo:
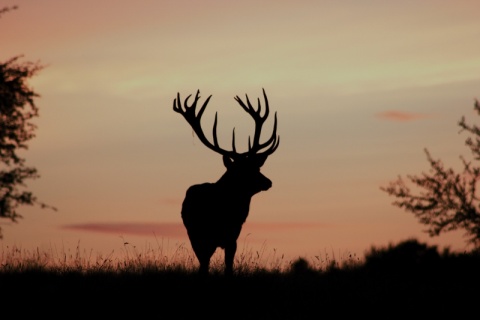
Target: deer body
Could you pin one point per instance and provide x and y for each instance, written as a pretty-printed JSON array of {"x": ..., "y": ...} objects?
[
  {"x": 214, "y": 213},
  {"x": 211, "y": 223}
]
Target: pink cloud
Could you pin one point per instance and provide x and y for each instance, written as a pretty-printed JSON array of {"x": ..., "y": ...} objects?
[
  {"x": 177, "y": 230},
  {"x": 394, "y": 115}
]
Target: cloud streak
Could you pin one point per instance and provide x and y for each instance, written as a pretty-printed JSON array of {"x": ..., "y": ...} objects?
[
  {"x": 177, "y": 230},
  {"x": 400, "y": 116}
]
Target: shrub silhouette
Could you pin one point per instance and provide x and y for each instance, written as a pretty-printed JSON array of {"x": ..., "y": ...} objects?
[{"x": 407, "y": 255}]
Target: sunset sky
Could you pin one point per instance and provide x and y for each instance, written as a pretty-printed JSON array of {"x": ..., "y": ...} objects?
[{"x": 360, "y": 89}]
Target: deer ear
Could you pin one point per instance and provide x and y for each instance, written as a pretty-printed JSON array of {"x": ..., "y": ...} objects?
[{"x": 227, "y": 161}]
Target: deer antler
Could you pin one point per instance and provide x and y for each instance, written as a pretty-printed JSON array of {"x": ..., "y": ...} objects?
[
  {"x": 193, "y": 118},
  {"x": 274, "y": 140}
]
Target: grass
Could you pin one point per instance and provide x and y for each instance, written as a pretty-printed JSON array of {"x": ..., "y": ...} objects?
[
  {"x": 158, "y": 258},
  {"x": 406, "y": 278}
]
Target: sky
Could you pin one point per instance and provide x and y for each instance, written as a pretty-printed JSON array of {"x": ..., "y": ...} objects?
[{"x": 360, "y": 89}]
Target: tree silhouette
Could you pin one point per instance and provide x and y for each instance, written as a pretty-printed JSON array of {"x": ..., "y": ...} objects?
[
  {"x": 17, "y": 109},
  {"x": 443, "y": 199}
]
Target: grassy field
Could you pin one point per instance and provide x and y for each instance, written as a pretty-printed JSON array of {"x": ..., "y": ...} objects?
[{"x": 408, "y": 279}]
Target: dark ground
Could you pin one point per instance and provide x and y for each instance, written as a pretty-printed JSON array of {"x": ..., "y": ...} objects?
[{"x": 397, "y": 283}]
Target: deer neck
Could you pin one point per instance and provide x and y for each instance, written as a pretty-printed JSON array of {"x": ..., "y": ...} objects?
[
  {"x": 225, "y": 183},
  {"x": 231, "y": 188}
]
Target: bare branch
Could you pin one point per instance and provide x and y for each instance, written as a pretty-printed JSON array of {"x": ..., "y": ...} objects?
[{"x": 447, "y": 199}]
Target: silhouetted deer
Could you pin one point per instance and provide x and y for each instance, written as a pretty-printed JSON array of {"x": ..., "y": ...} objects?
[{"x": 214, "y": 213}]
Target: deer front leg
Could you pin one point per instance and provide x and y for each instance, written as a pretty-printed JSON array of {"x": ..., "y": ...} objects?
[
  {"x": 204, "y": 253},
  {"x": 230, "y": 251}
]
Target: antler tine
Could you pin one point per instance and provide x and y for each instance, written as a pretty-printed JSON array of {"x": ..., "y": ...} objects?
[
  {"x": 267, "y": 107},
  {"x": 193, "y": 118},
  {"x": 233, "y": 141},
  {"x": 273, "y": 141}
]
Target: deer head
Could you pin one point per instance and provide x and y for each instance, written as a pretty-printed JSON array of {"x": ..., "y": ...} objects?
[{"x": 243, "y": 168}]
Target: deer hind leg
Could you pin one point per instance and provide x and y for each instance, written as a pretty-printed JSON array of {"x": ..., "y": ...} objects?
[{"x": 230, "y": 251}]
